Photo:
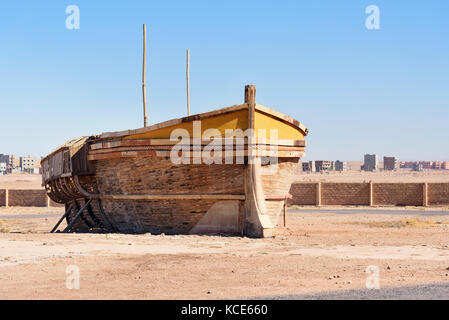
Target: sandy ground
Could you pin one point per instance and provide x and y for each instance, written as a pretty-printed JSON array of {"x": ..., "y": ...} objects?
[
  {"x": 21, "y": 181},
  {"x": 318, "y": 255}
]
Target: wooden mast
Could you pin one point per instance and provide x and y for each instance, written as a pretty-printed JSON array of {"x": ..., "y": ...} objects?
[
  {"x": 187, "y": 78},
  {"x": 144, "y": 95}
]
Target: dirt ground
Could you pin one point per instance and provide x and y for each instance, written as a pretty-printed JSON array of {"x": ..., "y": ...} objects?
[
  {"x": 316, "y": 253},
  {"x": 21, "y": 181}
]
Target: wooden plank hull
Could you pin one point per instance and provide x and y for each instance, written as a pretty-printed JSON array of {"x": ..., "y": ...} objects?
[
  {"x": 135, "y": 186},
  {"x": 223, "y": 212}
]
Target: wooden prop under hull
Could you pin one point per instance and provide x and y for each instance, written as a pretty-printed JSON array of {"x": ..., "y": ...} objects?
[{"x": 134, "y": 186}]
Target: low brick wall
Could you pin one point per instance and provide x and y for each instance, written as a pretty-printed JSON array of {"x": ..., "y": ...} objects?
[
  {"x": 303, "y": 194},
  {"x": 398, "y": 194},
  {"x": 438, "y": 194},
  {"x": 27, "y": 198},
  {"x": 374, "y": 194},
  {"x": 3, "y": 194},
  {"x": 345, "y": 194}
]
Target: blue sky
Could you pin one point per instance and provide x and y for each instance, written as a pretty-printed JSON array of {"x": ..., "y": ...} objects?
[{"x": 357, "y": 90}]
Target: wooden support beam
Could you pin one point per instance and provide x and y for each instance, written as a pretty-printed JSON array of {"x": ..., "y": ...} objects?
[
  {"x": 278, "y": 197},
  {"x": 68, "y": 209},
  {"x": 76, "y": 216},
  {"x": 371, "y": 194},
  {"x": 175, "y": 197},
  {"x": 285, "y": 212},
  {"x": 6, "y": 198}
]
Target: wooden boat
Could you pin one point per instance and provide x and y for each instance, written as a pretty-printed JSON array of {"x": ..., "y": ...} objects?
[{"x": 128, "y": 182}]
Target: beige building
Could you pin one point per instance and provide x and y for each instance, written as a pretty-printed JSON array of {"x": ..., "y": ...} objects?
[{"x": 29, "y": 164}]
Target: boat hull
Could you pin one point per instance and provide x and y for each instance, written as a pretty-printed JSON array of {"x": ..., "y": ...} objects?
[
  {"x": 185, "y": 213},
  {"x": 128, "y": 182}
]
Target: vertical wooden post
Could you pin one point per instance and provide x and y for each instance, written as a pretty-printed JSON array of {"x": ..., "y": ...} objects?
[
  {"x": 425, "y": 194},
  {"x": 285, "y": 212},
  {"x": 48, "y": 200},
  {"x": 250, "y": 98},
  {"x": 6, "y": 198},
  {"x": 371, "y": 197},
  {"x": 318, "y": 194},
  {"x": 188, "y": 81},
  {"x": 257, "y": 223},
  {"x": 144, "y": 94}
]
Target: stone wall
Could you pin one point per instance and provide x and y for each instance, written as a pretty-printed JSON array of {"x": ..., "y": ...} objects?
[
  {"x": 438, "y": 194},
  {"x": 303, "y": 194},
  {"x": 26, "y": 198},
  {"x": 345, "y": 194},
  {"x": 374, "y": 194},
  {"x": 3, "y": 195},
  {"x": 398, "y": 194}
]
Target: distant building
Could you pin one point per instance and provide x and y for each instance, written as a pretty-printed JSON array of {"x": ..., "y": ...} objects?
[
  {"x": 417, "y": 166},
  {"x": 426, "y": 164},
  {"x": 391, "y": 163},
  {"x": 323, "y": 165},
  {"x": 11, "y": 161},
  {"x": 341, "y": 165},
  {"x": 308, "y": 166},
  {"x": 2, "y": 168},
  {"x": 29, "y": 164},
  {"x": 371, "y": 162},
  {"x": 436, "y": 165},
  {"x": 439, "y": 165},
  {"x": 407, "y": 164}
]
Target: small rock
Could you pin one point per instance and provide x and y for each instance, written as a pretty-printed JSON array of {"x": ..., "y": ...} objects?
[
  {"x": 388, "y": 267},
  {"x": 209, "y": 292},
  {"x": 349, "y": 282}
]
